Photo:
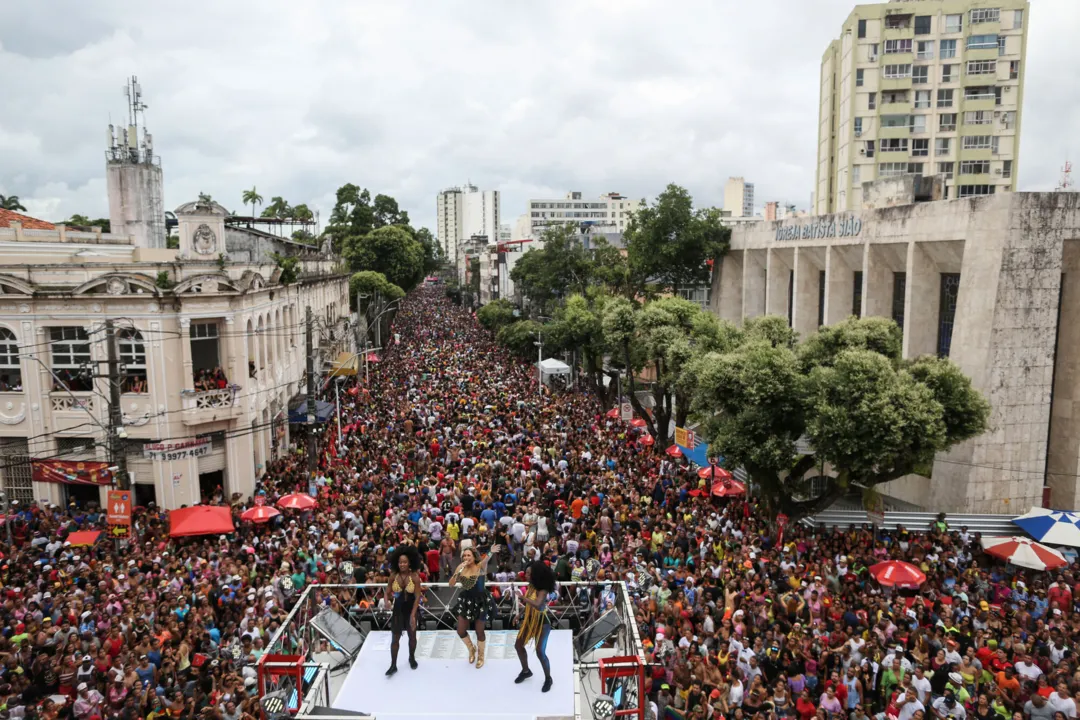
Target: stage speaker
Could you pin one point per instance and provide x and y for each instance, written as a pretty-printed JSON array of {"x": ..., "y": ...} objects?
[
  {"x": 603, "y": 707},
  {"x": 339, "y": 631},
  {"x": 594, "y": 635}
]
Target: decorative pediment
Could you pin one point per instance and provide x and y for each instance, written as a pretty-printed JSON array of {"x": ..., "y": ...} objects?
[
  {"x": 251, "y": 280},
  {"x": 207, "y": 283},
  {"x": 118, "y": 284},
  {"x": 10, "y": 285}
]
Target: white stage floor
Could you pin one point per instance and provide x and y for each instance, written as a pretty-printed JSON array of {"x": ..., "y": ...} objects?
[{"x": 447, "y": 687}]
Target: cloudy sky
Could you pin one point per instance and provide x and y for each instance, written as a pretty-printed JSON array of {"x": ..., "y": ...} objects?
[{"x": 406, "y": 97}]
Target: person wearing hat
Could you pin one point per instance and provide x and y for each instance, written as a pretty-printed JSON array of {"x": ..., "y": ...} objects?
[{"x": 88, "y": 703}]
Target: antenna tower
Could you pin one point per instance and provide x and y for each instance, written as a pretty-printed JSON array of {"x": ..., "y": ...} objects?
[{"x": 1066, "y": 182}]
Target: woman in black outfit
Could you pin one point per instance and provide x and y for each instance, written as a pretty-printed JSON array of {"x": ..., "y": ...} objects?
[{"x": 403, "y": 590}]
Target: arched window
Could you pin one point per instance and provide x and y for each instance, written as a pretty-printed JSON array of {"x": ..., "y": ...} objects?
[
  {"x": 10, "y": 367},
  {"x": 132, "y": 361}
]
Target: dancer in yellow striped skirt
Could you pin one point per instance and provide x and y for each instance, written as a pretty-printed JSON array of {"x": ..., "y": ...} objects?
[{"x": 536, "y": 627}]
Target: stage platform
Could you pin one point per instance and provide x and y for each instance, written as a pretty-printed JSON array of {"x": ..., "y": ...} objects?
[{"x": 445, "y": 686}]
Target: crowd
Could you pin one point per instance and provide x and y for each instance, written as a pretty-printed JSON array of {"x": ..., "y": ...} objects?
[{"x": 455, "y": 443}]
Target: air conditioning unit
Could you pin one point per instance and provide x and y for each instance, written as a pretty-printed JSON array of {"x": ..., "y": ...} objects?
[
  {"x": 997, "y": 171},
  {"x": 858, "y": 133}
]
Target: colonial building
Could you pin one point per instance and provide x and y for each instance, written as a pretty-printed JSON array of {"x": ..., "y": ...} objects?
[
  {"x": 993, "y": 283},
  {"x": 211, "y": 351}
]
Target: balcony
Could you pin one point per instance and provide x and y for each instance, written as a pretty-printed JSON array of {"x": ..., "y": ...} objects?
[
  {"x": 210, "y": 405},
  {"x": 72, "y": 410},
  {"x": 894, "y": 83}
]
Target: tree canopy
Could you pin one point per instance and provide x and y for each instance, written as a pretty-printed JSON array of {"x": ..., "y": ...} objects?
[
  {"x": 670, "y": 244},
  {"x": 83, "y": 221},
  {"x": 369, "y": 282},
  {"x": 867, "y": 414},
  {"x": 496, "y": 314},
  {"x": 11, "y": 202},
  {"x": 391, "y": 250},
  {"x": 563, "y": 267}
]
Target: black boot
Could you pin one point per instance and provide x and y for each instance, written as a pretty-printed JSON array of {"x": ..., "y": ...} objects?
[
  {"x": 392, "y": 670},
  {"x": 523, "y": 676},
  {"x": 412, "y": 661},
  {"x": 547, "y": 684}
]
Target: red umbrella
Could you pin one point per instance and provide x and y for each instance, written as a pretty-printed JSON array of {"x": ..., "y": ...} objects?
[
  {"x": 638, "y": 423},
  {"x": 674, "y": 451},
  {"x": 707, "y": 472},
  {"x": 613, "y": 413},
  {"x": 297, "y": 501},
  {"x": 647, "y": 440},
  {"x": 1024, "y": 552},
  {"x": 898, "y": 573},
  {"x": 200, "y": 520},
  {"x": 260, "y": 513},
  {"x": 86, "y": 537},
  {"x": 372, "y": 357},
  {"x": 728, "y": 488}
]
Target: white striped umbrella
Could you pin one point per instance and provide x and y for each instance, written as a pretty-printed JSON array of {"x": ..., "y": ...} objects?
[
  {"x": 1055, "y": 527},
  {"x": 1024, "y": 552}
]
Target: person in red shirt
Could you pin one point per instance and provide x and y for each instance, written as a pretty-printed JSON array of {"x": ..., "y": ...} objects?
[
  {"x": 432, "y": 559},
  {"x": 1059, "y": 592},
  {"x": 575, "y": 508}
]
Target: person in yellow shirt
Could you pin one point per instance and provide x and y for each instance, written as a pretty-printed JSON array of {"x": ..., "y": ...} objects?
[{"x": 657, "y": 539}]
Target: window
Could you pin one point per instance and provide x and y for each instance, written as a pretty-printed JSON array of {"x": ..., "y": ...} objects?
[
  {"x": 858, "y": 126},
  {"x": 948, "y": 49},
  {"x": 950, "y": 291},
  {"x": 981, "y": 67},
  {"x": 897, "y": 21},
  {"x": 975, "y": 190},
  {"x": 1002, "y": 44},
  {"x": 871, "y": 101},
  {"x": 949, "y": 73},
  {"x": 1014, "y": 69},
  {"x": 869, "y": 148},
  {"x": 1018, "y": 19},
  {"x": 944, "y": 98},
  {"x": 1006, "y": 169},
  {"x": 994, "y": 144},
  {"x": 10, "y": 366},
  {"x": 821, "y": 298},
  {"x": 856, "y": 293},
  {"x": 895, "y": 169},
  {"x": 974, "y": 167},
  {"x": 942, "y": 146},
  {"x": 977, "y": 42},
  {"x": 896, "y": 72},
  {"x": 920, "y": 147},
  {"x": 978, "y": 117},
  {"x": 920, "y": 74},
  {"x": 894, "y": 96},
  {"x": 862, "y": 28},
  {"x": 899, "y": 290},
  {"x": 132, "y": 361},
  {"x": 954, "y": 23},
  {"x": 997, "y": 96},
  {"x": 922, "y": 24},
  {"x": 946, "y": 169},
  {"x": 70, "y": 350},
  {"x": 204, "y": 348},
  {"x": 978, "y": 92},
  {"x": 977, "y": 142},
  {"x": 858, "y": 78},
  {"x": 924, "y": 50},
  {"x": 893, "y": 47},
  {"x": 17, "y": 479},
  {"x": 872, "y": 53},
  {"x": 918, "y": 123},
  {"x": 922, "y": 99},
  {"x": 946, "y": 122},
  {"x": 896, "y": 121},
  {"x": 1008, "y": 119},
  {"x": 894, "y": 145},
  {"x": 981, "y": 15},
  {"x": 855, "y": 173}
]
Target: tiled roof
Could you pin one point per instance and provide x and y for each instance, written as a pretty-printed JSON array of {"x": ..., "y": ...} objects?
[{"x": 9, "y": 216}]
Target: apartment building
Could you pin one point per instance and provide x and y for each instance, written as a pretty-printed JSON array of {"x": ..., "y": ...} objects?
[
  {"x": 739, "y": 197},
  {"x": 924, "y": 87},
  {"x": 608, "y": 214},
  {"x": 462, "y": 213}
]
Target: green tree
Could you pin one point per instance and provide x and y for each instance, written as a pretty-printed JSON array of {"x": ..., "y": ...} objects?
[
  {"x": 83, "y": 221},
  {"x": 290, "y": 268},
  {"x": 869, "y": 416},
  {"x": 205, "y": 199},
  {"x": 579, "y": 327},
  {"x": 369, "y": 282},
  {"x": 432, "y": 250},
  {"x": 520, "y": 338},
  {"x": 11, "y": 202},
  {"x": 252, "y": 197},
  {"x": 302, "y": 213},
  {"x": 390, "y": 250},
  {"x": 496, "y": 314},
  {"x": 277, "y": 208},
  {"x": 385, "y": 212},
  {"x": 669, "y": 243},
  {"x": 561, "y": 267}
]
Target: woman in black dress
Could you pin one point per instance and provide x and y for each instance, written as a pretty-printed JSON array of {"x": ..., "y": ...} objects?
[
  {"x": 403, "y": 590},
  {"x": 474, "y": 605}
]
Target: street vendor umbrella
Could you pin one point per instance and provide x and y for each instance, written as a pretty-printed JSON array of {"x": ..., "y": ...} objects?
[
  {"x": 674, "y": 451},
  {"x": 260, "y": 514},
  {"x": 296, "y": 501},
  {"x": 707, "y": 472},
  {"x": 613, "y": 413},
  {"x": 647, "y": 440},
  {"x": 79, "y": 539},
  {"x": 1024, "y": 552},
  {"x": 1054, "y": 527},
  {"x": 200, "y": 520},
  {"x": 638, "y": 423},
  {"x": 897, "y": 573},
  {"x": 727, "y": 488}
]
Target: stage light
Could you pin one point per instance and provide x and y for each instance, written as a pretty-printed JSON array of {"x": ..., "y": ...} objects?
[
  {"x": 274, "y": 703},
  {"x": 603, "y": 707},
  {"x": 597, "y": 634}
]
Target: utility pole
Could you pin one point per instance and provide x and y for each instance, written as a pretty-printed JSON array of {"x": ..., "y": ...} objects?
[
  {"x": 311, "y": 449},
  {"x": 118, "y": 453}
]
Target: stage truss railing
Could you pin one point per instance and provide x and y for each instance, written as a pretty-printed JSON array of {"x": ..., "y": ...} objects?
[{"x": 577, "y": 606}]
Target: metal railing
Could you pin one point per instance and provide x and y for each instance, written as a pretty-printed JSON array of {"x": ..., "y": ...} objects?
[{"x": 986, "y": 524}]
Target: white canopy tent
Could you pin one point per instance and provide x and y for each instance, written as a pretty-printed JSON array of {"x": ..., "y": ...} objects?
[{"x": 551, "y": 367}]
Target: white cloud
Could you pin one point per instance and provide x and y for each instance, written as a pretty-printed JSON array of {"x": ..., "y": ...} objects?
[{"x": 410, "y": 96}]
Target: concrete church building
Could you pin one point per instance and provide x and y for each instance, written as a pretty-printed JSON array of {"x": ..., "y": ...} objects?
[{"x": 991, "y": 282}]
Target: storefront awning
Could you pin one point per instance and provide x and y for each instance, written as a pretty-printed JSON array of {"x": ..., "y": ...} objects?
[
  {"x": 346, "y": 365},
  {"x": 323, "y": 412}
]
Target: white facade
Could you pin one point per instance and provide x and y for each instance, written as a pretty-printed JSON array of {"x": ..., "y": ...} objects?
[
  {"x": 462, "y": 213},
  {"x": 178, "y": 313},
  {"x": 609, "y": 213},
  {"x": 739, "y": 197}
]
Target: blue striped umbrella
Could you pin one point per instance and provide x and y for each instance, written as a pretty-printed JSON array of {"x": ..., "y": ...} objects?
[{"x": 1054, "y": 527}]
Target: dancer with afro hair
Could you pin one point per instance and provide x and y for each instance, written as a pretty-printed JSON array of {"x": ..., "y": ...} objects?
[{"x": 403, "y": 589}]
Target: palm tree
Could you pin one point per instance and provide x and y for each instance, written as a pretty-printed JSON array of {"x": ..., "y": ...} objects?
[
  {"x": 303, "y": 213},
  {"x": 251, "y": 197},
  {"x": 277, "y": 208},
  {"x": 11, "y": 202}
]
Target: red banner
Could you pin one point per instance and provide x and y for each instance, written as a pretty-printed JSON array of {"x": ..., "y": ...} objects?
[{"x": 71, "y": 472}]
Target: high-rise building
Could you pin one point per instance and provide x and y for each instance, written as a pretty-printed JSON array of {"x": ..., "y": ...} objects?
[
  {"x": 608, "y": 214},
  {"x": 925, "y": 87},
  {"x": 739, "y": 197},
  {"x": 465, "y": 212}
]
